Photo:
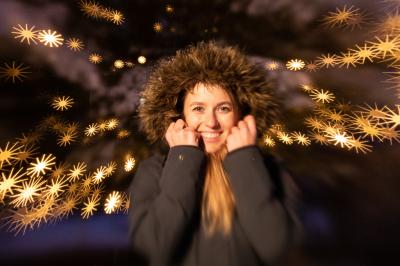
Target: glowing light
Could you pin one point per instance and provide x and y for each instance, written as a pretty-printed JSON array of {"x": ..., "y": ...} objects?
[
  {"x": 339, "y": 137},
  {"x": 67, "y": 206},
  {"x": 357, "y": 20},
  {"x": 50, "y": 38},
  {"x": 98, "y": 190},
  {"x": 335, "y": 116},
  {"x": 130, "y": 163},
  {"x": 116, "y": 17},
  {"x": 368, "y": 129},
  {"x": 142, "y": 60},
  {"x": 391, "y": 24},
  {"x": 90, "y": 206},
  {"x": 87, "y": 181},
  {"x": 327, "y": 60},
  {"x": 110, "y": 168},
  {"x": 91, "y": 8},
  {"x": 99, "y": 174},
  {"x": 285, "y": 138},
  {"x": 113, "y": 202},
  {"x": 95, "y": 58},
  {"x": 30, "y": 138},
  {"x": 77, "y": 171},
  {"x": 56, "y": 187},
  {"x": 9, "y": 154},
  {"x": 295, "y": 64},
  {"x": 273, "y": 65},
  {"x": 363, "y": 53},
  {"x": 28, "y": 34},
  {"x": 390, "y": 45},
  {"x": 59, "y": 170},
  {"x": 58, "y": 127},
  {"x": 25, "y": 194},
  {"x": 91, "y": 130},
  {"x": 322, "y": 96},
  {"x": 314, "y": 123},
  {"x": 344, "y": 106},
  {"x": 72, "y": 189},
  {"x": 125, "y": 203},
  {"x": 341, "y": 16},
  {"x": 169, "y": 9},
  {"x": 301, "y": 139},
  {"x": 20, "y": 220},
  {"x": 390, "y": 134},
  {"x": 103, "y": 126},
  {"x": 307, "y": 88},
  {"x": 268, "y": 140},
  {"x": 311, "y": 67},
  {"x": 373, "y": 112},
  {"x": 75, "y": 44},
  {"x": 14, "y": 72},
  {"x": 319, "y": 138},
  {"x": 10, "y": 182},
  {"x": 112, "y": 124},
  {"x": 62, "y": 103},
  {"x": 41, "y": 166},
  {"x": 347, "y": 59},
  {"x": 72, "y": 126},
  {"x": 157, "y": 27},
  {"x": 393, "y": 117},
  {"x": 123, "y": 133},
  {"x": 119, "y": 64},
  {"x": 26, "y": 153},
  {"x": 66, "y": 138},
  {"x": 129, "y": 64}
]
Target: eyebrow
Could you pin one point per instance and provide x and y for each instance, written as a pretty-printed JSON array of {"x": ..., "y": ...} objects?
[{"x": 201, "y": 103}]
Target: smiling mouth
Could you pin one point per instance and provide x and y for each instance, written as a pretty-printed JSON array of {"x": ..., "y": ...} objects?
[{"x": 210, "y": 135}]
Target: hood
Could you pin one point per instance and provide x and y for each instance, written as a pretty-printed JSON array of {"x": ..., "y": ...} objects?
[{"x": 209, "y": 63}]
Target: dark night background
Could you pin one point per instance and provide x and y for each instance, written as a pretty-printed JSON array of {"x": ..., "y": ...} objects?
[{"x": 349, "y": 205}]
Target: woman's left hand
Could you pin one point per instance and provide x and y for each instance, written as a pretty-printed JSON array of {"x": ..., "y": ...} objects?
[{"x": 244, "y": 134}]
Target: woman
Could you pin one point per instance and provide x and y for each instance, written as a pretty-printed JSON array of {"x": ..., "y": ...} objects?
[{"x": 214, "y": 198}]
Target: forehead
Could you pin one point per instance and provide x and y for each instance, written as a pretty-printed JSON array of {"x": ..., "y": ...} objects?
[{"x": 207, "y": 93}]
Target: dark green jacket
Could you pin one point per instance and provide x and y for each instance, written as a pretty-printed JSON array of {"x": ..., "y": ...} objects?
[{"x": 165, "y": 209}]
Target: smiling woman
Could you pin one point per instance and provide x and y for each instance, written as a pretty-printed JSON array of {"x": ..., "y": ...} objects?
[
  {"x": 209, "y": 109},
  {"x": 215, "y": 198}
]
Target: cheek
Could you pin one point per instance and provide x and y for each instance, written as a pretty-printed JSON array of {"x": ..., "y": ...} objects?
[
  {"x": 229, "y": 122},
  {"x": 192, "y": 121}
]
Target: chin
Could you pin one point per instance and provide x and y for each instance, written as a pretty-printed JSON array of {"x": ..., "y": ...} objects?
[{"x": 213, "y": 148}]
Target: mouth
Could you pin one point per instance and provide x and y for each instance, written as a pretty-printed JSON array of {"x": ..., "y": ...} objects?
[{"x": 211, "y": 136}]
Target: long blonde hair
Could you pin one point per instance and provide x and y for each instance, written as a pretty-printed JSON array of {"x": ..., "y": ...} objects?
[{"x": 218, "y": 203}]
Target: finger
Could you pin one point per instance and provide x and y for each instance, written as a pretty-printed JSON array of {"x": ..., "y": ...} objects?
[
  {"x": 189, "y": 129},
  {"x": 170, "y": 127},
  {"x": 179, "y": 124},
  {"x": 242, "y": 125},
  {"x": 234, "y": 130},
  {"x": 168, "y": 134},
  {"x": 251, "y": 124}
]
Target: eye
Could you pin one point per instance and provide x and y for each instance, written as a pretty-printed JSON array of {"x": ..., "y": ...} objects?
[
  {"x": 225, "y": 109},
  {"x": 198, "y": 108}
]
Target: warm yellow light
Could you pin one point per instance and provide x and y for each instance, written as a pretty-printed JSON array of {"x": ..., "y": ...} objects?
[{"x": 142, "y": 59}]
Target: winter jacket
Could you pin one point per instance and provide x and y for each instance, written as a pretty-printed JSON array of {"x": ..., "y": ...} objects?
[{"x": 164, "y": 217}]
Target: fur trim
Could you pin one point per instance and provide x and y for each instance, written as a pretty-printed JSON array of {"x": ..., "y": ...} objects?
[{"x": 207, "y": 63}]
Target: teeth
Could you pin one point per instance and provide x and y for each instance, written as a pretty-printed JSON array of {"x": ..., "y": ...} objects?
[{"x": 210, "y": 135}]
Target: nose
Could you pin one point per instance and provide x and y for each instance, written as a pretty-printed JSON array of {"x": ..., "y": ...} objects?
[{"x": 211, "y": 120}]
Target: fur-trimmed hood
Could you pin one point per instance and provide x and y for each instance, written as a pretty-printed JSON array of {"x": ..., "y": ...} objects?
[{"x": 208, "y": 63}]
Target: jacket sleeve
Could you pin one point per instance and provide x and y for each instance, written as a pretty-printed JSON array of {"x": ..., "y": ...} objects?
[
  {"x": 162, "y": 206},
  {"x": 262, "y": 216}
]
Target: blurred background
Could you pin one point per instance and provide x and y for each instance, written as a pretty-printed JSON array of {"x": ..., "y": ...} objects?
[{"x": 348, "y": 201}]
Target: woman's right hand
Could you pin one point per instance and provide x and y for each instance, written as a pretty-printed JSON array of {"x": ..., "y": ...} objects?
[{"x": 178, "y": 133}]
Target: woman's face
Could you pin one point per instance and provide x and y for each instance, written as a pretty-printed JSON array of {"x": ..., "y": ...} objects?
[{"x": 210, "y": 111}]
